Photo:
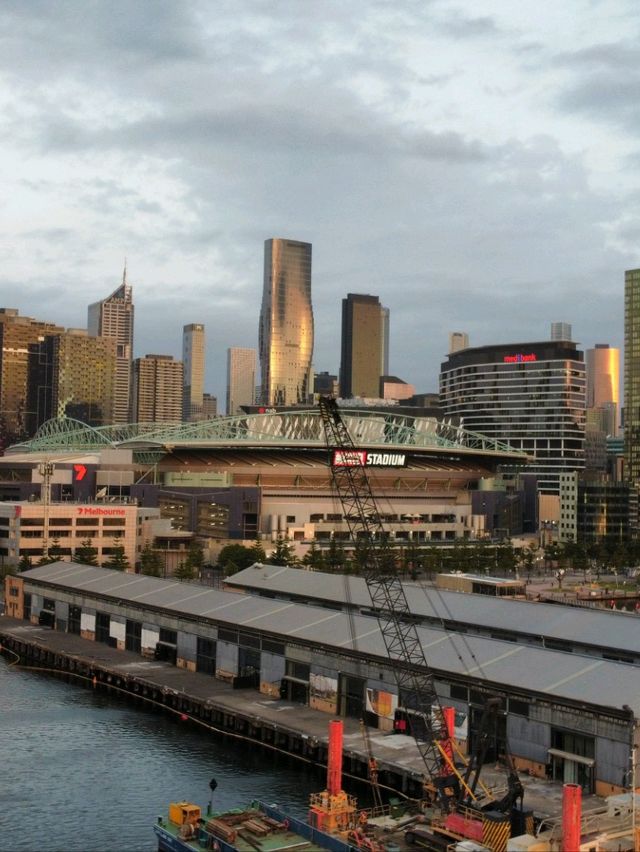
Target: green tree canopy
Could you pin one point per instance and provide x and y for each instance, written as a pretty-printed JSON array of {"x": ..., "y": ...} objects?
[
  {"x": 118, "y": 558},
  {"x": 184, "y": 571},
  {"x": 151, "y": 561},
  {"x": 283, "y": 553},
  {"x": 237, "y": 554},
  {"x": 86, "y": 554}
]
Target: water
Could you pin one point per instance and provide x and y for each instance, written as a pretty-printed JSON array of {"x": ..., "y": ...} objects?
[{"x": 83, "y": 772}]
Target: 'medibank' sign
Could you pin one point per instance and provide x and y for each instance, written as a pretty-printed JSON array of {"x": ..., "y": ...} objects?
[
  {"x": 97, "y": 510},
  {"x": 366, "y": 458}
]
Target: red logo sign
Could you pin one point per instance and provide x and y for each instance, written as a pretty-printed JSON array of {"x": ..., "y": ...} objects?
[
  {"x": 93, "y": 511},
  {"x": 80, "y": 471},
  {"x": 520, "y": 358}
]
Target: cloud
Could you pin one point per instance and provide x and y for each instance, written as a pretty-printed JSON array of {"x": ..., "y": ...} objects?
[{"x": 405, "y": 143}]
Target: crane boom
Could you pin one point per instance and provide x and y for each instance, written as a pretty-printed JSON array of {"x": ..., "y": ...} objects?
[{"x": 415, "y": 681}]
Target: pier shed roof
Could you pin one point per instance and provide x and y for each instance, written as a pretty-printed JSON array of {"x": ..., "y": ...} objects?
[{"x": 565, "y": 677}]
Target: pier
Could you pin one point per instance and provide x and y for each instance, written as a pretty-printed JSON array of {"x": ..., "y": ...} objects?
[{"x": 245, "y": 714}]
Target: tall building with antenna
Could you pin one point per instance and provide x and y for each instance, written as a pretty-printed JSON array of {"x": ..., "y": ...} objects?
[{"x": 113, "y": 317}]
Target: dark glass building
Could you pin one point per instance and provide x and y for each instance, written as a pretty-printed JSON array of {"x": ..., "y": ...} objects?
[
  {"x": 529, "y": 395},
  {"x": 362, "y": 346},
  {"x": 632, "y": 376}
]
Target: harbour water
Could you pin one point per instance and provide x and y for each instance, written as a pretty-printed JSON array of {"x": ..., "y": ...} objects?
[{"x": 84, "y": 772}]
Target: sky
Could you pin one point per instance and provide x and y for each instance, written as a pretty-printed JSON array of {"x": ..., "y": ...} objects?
[{"x": 476, "y": 166}]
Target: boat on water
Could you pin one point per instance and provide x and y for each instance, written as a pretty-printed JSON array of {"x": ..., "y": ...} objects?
[{"x": 256, "y": 828}]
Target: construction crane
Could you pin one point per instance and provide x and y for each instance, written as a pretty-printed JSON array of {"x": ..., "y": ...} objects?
[
  {"x": 415, "y": 681},
  {"x": 416, "y": 685}
]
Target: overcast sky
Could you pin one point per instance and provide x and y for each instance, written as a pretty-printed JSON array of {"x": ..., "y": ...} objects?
[{"x": 475, "y": 165}]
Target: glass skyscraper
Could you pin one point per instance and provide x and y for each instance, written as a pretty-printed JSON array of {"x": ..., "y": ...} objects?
[{"x": 286, "y": 323}]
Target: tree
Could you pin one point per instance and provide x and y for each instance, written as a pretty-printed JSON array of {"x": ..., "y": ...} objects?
[
  {"x": 314, "y": 557},
  {"x": 283, "y": 554},
  {"x": 258, "y": 552},
  {"x": 151, "y": 562},
  {"x": 241, "y": 557},
  {"x": 25, "y": 563},
  {"x": 118, "y": 559},
  {"x": 195, "y": 557},
  {"x": 54, "y": 553},
  {"x": 184, "y": 571},
  {"x": 335, "y": 556},
  {"x": 86, "y": 554}
]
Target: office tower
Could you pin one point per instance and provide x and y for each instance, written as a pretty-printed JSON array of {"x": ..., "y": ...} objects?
[
  {"x": 458, "y": 340},
  {"x": 286, "y": 323},
  {"x": 603, "y": 384},
  {"x": 17, "y": 334},
  {"x": 157, "y": 389},
  {"x": 528, "y": 395},
  {"x": 561, "y": 331},
  {"x": 391, "y": 387},
  {"x": 326, "y": 384},
  {"x": 72, "y": 375},
  {"x": 241, "y": 378},
  {"x": 113, "y": 317},
  {"x": 361, "y": 349},
  {"x": 209, "y": 406},
  {"x": 385, "y": 317},
  {"x": 193, "y": 360},
  {"x": 632, "y": 376}
]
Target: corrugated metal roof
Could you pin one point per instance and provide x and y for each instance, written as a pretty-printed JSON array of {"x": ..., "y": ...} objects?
[
  {"x": 574, "y": 677},
  {"x": 597, "y": 627}
]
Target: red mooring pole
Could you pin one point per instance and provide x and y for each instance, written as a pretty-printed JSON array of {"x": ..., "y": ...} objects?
[
  {"x": 334, "y": 764},
  {"x": 449, "y": 714},
  {"x": 571, "y": 816}
]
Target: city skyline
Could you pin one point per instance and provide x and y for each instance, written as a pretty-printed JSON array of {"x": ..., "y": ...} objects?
[{"x": 488, "y": 195}]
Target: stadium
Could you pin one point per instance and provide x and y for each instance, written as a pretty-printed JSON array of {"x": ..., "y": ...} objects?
[{"x": 265, "y": 475}]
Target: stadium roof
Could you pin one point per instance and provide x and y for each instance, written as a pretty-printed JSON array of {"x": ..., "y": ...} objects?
[
  {"x": 573, "y": 677},
  {"x": 292, "y": 429}
]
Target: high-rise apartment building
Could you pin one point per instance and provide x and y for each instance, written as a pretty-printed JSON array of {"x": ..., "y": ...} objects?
[
  {"x": 17, "y": 334},
  {"x": 113, "y": 317},
  {"x": 528, "y": 395},
  {"x": 241, "y": 378},
  {"x": 193, "y": 349},
  {"x": 632, "y": 376},
  {"x": 286, "y": 323},
  {"x": 361, "y": 347},
  {"x": 603, "y": 384},
  {"x": 157, "y": 389},
  {"x": 458, "y": 340},
  {"x": 561, "y": 331},
  {"x": 71, "y": 375}
]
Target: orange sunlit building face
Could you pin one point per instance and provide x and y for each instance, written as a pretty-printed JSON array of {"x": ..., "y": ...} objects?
[{"x": 286, "y": 323}]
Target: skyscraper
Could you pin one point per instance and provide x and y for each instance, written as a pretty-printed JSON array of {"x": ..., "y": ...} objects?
[
  {"x": 528, "y": 395},
  {"x": 632, "y": 376},
  {"x": 193, "y": 347},
  {"x": 17, "y": 334},
  {"x": 361, "y": 349},
  {"x": 458, "y": 340},
  {"x": 157, "y": 389},
  {"x": 560, "y": 331},
  {"x": 113, "y": 317},
  {"x": 241, "y": 378},
  {"x": 603, "y": 385},
  {"x": 385, "y": 318},
  {"x": 286, "y": 323},
  {"x": 71, "y": 375}
]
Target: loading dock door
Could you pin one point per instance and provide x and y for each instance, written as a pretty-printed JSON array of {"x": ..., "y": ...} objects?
[
  {"x": 351, "y": 696},
  {"x": 103, "y": 625},
  {"x": 133, "y": 636}
]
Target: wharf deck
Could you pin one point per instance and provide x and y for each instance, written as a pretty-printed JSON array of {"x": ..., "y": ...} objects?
[{"x": 294, "y": 729}]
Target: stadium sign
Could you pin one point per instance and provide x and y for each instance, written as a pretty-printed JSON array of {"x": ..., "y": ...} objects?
[{"x": 366, "y": 458}]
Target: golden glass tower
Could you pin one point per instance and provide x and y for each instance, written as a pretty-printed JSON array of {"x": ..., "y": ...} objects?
[{"x": 286, "y": 323}]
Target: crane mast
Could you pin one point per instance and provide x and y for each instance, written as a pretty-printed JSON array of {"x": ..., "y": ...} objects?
[{"x": 416, "y": 686}]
